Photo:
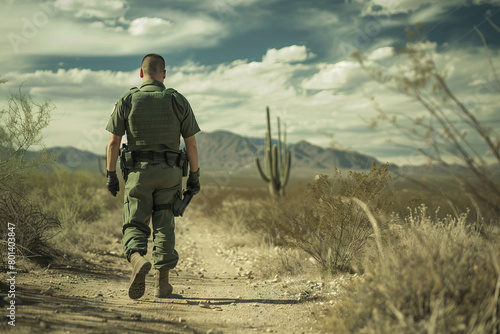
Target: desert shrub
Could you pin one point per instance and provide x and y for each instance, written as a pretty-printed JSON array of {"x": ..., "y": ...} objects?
[
  {"x": 32, "y": 230},
  {"x": 78, "y": 239},
  {"x": 436, "y": 276},
  {"x": 247, "y": 211},
  {"x": 21, "y": 125},
  {"x": 329, "y": 226},
  {"x": 448, "y": 130},
  {"x": 237, "y": 210},
  {"x": 73, "y": 197}
]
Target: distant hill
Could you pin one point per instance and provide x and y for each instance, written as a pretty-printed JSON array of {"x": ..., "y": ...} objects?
[
  {"x": 226, "y": 150},
  {"x": 222, "y": 148},
  {"x": 75, "y": 159}
]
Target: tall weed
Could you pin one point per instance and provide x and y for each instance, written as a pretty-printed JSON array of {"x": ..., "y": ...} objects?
[
  {"x": 72, "y": 197},
  {"x": 32, "y": 228},
  {"x": 436, "y": 276},
  {"x": 331, "y": 227}
]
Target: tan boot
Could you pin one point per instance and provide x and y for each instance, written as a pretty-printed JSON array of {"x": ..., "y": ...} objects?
[
  {"x": 140, "y": 268},
  {"x": 162, "y": 288}
]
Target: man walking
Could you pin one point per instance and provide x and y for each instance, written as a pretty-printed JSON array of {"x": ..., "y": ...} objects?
[{"x": 153, "y": 118}]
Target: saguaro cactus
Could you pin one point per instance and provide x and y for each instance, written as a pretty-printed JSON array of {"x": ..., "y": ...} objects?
[{"x": 277, "y": 166}]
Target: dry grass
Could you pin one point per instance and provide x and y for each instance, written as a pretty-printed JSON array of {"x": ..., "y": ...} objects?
[
  {"x": 322, "y": 223},
  {"x": 330, "y": 227},
  {"x": 436, "y": 276},
  {"x": 72, "y": 197},
  {"x": 80, "y": 201},
  {"x": 57, "y": 213},
  {"x": 32, "y": 229},
  {"x": 75, "y": 242},
  {"x": 240, "y": 211}
]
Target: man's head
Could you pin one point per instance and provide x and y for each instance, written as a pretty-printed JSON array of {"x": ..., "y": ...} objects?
[{"x": 153, "y": 67}]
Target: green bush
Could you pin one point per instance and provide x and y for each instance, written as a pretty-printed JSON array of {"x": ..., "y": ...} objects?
[
  {"x": 331, "y": 227},
  {"x": 436, "y": 276}
]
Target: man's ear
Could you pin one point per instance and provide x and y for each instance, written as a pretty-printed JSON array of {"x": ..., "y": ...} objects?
[
  {"x": 141, "y": 74},
  {"x": 164, "y": 74}
]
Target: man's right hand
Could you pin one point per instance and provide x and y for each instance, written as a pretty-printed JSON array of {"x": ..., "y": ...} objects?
[
  {"x": 193, "y": 182},
  {"x": 112, "y": 182}
]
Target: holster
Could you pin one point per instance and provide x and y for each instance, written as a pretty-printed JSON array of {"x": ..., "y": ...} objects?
[
  {"x": 181, "y": 202},
  {"x": 183, "y": 162},
  {"x": 126, "y": 161}
]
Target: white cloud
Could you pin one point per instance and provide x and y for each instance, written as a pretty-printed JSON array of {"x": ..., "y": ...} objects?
[
  {"x": 398, "y": 6},
  {"x": 149, "y": 26},
  {"x": 74, "y": 84},
  {"x": 381, "y": 53},
  {"x": 103, "y": 9},
  {"x": 485, "y": 2},
  {"x": 83, "y": 99},
  {"x": 347, "y": 75},
  {"x": 430, "y": 13},
  {"x": 289, "y": 54},
  {"x": 64, "y": 36},
  {"x": 233, "y": 96},
  {"x": 423, "y": 10},
  {"x": 340, "y": 75}
]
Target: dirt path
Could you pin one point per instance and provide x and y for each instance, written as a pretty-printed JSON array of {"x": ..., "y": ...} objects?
[{"x": 215, "y": 291}]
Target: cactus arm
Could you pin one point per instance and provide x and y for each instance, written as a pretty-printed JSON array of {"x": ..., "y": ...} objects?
[
  {"x": 262, "y": 175},
  {"x": 268, "y": 161},
  {"x": 275, "y": 177},
  {"x": 285, "y": 148},
  {"x": 268, "y": 133},
  {"x": 286, "y": 173},
  {"x": 279, "y": 146}
]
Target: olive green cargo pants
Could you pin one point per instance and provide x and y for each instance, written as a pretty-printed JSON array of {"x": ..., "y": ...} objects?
[{"x": 149, "y": 185}]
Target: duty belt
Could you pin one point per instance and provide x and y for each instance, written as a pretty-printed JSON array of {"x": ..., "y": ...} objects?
[{"x": 171, "y": 158}]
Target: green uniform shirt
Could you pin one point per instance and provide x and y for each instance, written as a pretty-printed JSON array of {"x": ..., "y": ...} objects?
[{"x": 117, "y": 123}]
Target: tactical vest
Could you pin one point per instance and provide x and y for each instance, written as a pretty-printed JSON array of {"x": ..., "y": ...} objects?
[{"x": 152, "y": 119}]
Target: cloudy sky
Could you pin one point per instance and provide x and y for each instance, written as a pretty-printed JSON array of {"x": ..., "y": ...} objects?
[{"x": 232, "y": 58}]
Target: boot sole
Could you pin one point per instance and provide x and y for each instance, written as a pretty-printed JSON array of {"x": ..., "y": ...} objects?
[{"x": 138, "y": 281}]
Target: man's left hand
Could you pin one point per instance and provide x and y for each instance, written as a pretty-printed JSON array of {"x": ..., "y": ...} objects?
[
  {"x": 112, "y": 183},
  {"x": 193, "y": 182}
]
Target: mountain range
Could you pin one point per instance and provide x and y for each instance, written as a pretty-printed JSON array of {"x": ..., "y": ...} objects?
[
  {"x": 224, "y": 150},
  {"x": 221, "y": 149}
]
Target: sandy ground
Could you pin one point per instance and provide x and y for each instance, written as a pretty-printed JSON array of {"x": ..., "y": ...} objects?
[{"x": 217, "y": 289}]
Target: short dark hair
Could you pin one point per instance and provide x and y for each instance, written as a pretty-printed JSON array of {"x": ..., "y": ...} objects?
[{"x": 153, "y": 64}]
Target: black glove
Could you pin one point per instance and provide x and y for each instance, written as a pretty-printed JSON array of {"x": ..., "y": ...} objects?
[
  {"x": 193, "y": 182},
  {"x": 112, "y": 183}
]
